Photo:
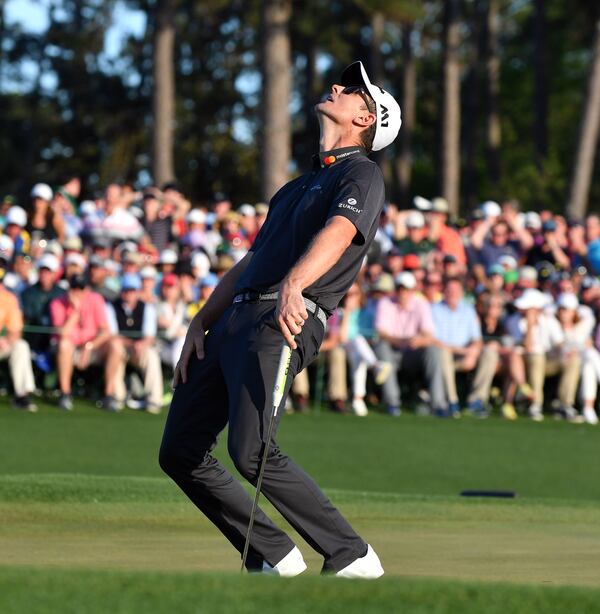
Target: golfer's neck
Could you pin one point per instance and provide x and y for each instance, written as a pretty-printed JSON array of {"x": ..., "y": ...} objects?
[{"x": 333, "y": 137}]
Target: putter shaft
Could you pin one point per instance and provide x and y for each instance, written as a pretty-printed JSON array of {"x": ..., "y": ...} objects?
[{"x": 278, "y": 389}]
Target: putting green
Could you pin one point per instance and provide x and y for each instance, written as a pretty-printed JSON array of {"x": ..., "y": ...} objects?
[{"x": 89, "y": 524}]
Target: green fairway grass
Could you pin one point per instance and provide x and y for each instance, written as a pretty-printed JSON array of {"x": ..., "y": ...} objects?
[{"x": 89, "y": 522}]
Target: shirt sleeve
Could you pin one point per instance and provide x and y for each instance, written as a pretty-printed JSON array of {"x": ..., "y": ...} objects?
[
  {"x": 14, "y": 322},
  {"x": 57, "y": 312},
  {"x": 149, "y": 325},
  {"x": 111, "y": 318},
  {"x": 426, "y": 319},
  {"x": 475, "y": 326},
  {"x": 100, "y": 312},
  {"x": 381, "y": 316},
  {"x": 359, "y": 198}
]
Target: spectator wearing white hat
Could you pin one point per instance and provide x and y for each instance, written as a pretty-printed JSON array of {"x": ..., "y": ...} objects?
[
  {"x": 405, "y": 328},
  {"x": 150, "y": 282},
  {"x": 75, "y": 264},
  {"x": 543, "y": 341},
  {"x": 498, "y": 236},
  {"x": 36, "y": 299},
  {"x": 14, "y": 227},
  {"x": 577, "y": 323},
  {"x": 16, "y": 350},
  {"x": 45, "y": 221},
  {"x": 248, "y": 222},
  {"x": 167, "y": 261},
  {"x": 414, "y": 238},
  {"x": 198, "y": 236},
  {"x": 444, "y": 238}
]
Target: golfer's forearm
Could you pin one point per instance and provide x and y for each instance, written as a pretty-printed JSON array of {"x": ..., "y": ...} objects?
[
  {"x": 223, "y": 294},
  {"x": 324, "y": 251}
]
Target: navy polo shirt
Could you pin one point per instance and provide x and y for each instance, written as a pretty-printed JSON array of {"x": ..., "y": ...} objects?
[{"x": 343, "y": 182}]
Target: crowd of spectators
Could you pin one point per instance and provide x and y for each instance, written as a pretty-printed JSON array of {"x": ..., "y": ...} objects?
[{"x": 496, "y": 310}]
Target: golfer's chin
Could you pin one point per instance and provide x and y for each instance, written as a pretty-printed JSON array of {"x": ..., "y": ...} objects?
[{"x": 323, "y": 109}]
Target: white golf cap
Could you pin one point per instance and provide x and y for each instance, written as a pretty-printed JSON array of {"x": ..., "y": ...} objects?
[
  {"x": 87, "y": 207},
  {"x": 201, "y": 262},
  {"x": 389, "y": 117},
  {"x": 531, "y": 299},
  {"x": 247, "y": 210},
  {"x": 533, "y": 220},
  {"x": 48, "y": 261},
  {"x": 7, "y": 247},
  {"x": 73, "y": 243},
  {"x": 76, "y": 259},
  {"x": 42, "y": 190},
  {"x": 508, "y": 262},
  {"x": 415, "y": 220},
  {"x": 490, "y": 208},
  {"x": 567, "y": 300},
  {"x": 148, "y": 272},
  {"x": 422, "y": 204},
  {"x": 168, "y": 256},
  {"x": 528, "y": 273},
  {"x": 440, "y": 205},
  {"x": 405, "y": 280},
  {"x": 16, "y": 215},
  {"x": 196, "y": 216}
]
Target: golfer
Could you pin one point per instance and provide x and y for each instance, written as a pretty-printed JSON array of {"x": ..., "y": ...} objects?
[{"x": 303, "y": 261}]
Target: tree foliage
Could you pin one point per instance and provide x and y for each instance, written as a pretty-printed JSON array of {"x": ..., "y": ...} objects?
[{"x": 83, "y": 114}]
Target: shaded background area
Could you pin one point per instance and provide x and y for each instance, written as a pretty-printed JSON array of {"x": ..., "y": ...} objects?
[{"x": 497, "y": 95}]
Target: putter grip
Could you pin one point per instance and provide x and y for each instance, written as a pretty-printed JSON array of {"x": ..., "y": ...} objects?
[{"x": 282, "y": 371}]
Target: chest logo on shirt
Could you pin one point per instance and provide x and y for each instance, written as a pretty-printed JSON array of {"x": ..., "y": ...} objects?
[{"x": 316, "y": 187}]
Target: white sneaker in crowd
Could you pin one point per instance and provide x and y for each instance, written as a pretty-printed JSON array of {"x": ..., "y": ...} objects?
[
  {"x": 383, "y": 370},
  {"x": 589, "y": 415},
  {"x": 291, "y": 565},
  {"x": 359, "y": 407},
  {"x": 367, "y": 567},
  {"x": 535, "y": 413}
]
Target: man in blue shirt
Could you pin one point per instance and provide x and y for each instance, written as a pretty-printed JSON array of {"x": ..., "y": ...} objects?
[{"x": 458, "y": 332}]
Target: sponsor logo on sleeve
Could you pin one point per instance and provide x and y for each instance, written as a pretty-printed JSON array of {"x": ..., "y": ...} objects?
[{"x": 350, "y": 203}]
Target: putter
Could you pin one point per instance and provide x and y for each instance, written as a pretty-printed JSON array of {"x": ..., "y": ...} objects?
[{"x": 280, "y": 379}]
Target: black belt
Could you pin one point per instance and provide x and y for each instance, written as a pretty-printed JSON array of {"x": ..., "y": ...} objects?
[{"x": 257, "y": 297}]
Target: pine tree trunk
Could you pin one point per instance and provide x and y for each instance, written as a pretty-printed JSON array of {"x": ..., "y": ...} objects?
[
  {"x": 493, "y": 130},
  {"x": 472, "y": 100},
  {"x": 276, "y": 75},
  {"x": 540, "y": 64},
  {"x": 163, "y": 94},
  {"x": 451, "y": 108},
  {"x": 408, "y": 106},
  {"x": 588, "y": 138}
]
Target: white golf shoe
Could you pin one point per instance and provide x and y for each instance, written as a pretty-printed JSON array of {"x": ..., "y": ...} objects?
[
  {"x": 367, "y": 567},
  {"x": 590, "y": 415},
  {"x": 291, "y": 565},
  {"x": 359, "y": 407}
]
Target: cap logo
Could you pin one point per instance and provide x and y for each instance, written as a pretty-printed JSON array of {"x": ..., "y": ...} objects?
[{"x": 384, "y": 116}]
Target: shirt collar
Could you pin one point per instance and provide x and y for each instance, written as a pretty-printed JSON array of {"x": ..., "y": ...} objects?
[{"x": 330, "y": 158}]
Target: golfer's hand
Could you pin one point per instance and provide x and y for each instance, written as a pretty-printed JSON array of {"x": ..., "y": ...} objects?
[
  {"x": 194, "y": 342},
  {"x": 290, "y": 312}
]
